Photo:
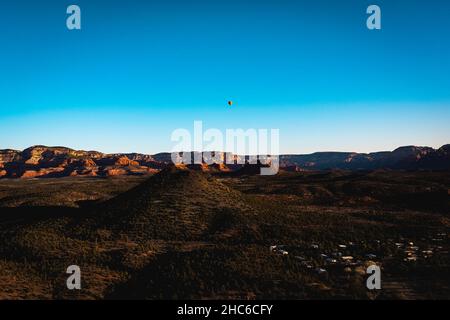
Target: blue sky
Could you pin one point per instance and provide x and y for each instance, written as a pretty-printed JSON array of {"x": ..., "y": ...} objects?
[{"x": 140, "y": 69}]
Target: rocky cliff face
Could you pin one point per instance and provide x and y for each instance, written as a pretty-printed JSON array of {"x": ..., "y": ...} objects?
[
  {"x": 42, "y": 161},
  {"x": 9, "y": 156},
  {"x": 403, "y": 158}
]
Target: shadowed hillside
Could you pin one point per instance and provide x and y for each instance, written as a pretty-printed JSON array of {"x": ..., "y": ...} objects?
[
  {"x": 174, "y": 204},
  {"x": 187, "y": 233}
]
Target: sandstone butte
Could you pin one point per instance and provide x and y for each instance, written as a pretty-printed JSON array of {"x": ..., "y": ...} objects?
[
  {"x": 42, "y": 161},
  {"x": 48, "y": 162}
]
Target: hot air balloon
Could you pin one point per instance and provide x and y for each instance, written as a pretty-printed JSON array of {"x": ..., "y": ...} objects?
[{"x": 230, "y": 103}]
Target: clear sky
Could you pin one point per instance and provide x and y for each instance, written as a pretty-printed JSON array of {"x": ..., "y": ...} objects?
[{"x": 140, "y": 69}]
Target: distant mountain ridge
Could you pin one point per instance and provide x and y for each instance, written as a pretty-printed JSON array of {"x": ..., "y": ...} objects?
[
  {"x": 402, "y": 158},
  {"x": 43, "y": 161}
]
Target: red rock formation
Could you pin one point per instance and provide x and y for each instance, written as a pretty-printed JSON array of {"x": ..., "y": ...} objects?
[
  {"x": 53, "y": 156},
  {"x": 82, "y": 163},
  {"x": 91, "y": 173},
  {"x": 9, "y": 156},
  {"x": 83, "y": 173},
  {"x": 140, "y": 170},
  {"x": 46, "y": 172},
  {"x": 35, "y": 155},
  {"x": 152, "y": 171},
  {"x": 30, "y": 174},
  {"x": 115, "y": 172},
  {"x": 124, "y": 161},
  {"x": 41, "y": 161},
  {"x": 88, "y": 163}
]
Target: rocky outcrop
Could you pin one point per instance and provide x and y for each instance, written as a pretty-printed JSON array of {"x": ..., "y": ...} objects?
[
  {"x": 438, "y": 160},
  {"x": 9, "y": 155},
  {"x": 44, "y": 172},
  {"x": 81, "y": 163},
  {"x": 30, "y": 174},
  {"x": 44, "y": 162},
  {"x": 115, "y": 172},
  {"x": 403, "y": 158},
  {"x": 124, "y": 161}
]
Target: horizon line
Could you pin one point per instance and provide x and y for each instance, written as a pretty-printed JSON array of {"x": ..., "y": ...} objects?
[{"x": 193, "y": 151}]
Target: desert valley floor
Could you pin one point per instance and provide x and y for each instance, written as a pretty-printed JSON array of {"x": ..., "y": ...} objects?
[{"x": 185, "y": 234}]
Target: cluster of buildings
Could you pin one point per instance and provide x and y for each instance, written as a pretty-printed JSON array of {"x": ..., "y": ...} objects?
[
  {"x": 412, "y": 252},
  {"x": 320, "y": 262},
  {"x": 346, "y": 257}
]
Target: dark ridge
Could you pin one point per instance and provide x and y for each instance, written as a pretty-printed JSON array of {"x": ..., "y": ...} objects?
[{"x": 173, "y": 204}]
